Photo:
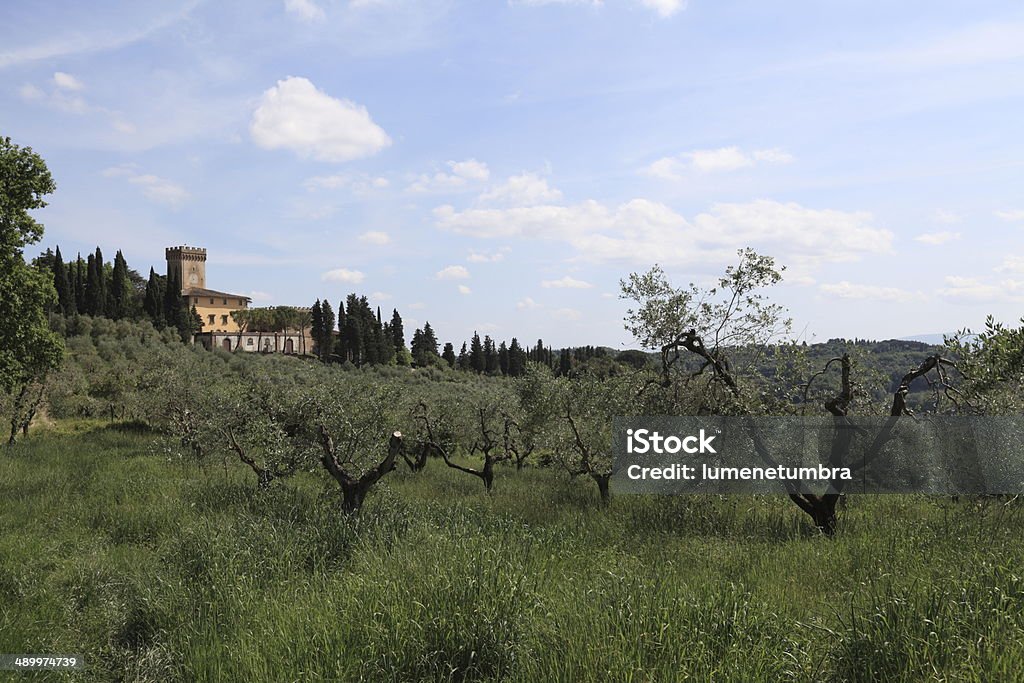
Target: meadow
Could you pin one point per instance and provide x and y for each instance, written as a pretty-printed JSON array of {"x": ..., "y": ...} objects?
[{"x": 156, "y": 568}]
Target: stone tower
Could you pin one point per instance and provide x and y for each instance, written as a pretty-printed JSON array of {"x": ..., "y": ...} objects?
[{"x": 190, "y": 265}]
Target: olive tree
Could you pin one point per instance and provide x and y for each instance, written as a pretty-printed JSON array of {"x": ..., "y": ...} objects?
[
  {"x": 353, "y": 425},
  {"x": 29, "y": 349},
  {"x": 472, "y": 421}
]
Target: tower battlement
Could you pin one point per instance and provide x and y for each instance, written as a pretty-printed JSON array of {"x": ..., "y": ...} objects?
[
  {"x": 185, "y": 253},
  {"x": 188, "y": 264}
]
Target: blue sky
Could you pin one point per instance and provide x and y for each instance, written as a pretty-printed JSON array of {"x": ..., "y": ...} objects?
[{"x": 499, "y": 166}]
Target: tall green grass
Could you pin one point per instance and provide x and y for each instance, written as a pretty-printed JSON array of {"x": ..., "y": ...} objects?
[{"x": 156, "y": 570}]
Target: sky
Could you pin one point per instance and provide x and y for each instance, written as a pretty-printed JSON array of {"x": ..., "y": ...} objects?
[{"x": 500, "y": 165}]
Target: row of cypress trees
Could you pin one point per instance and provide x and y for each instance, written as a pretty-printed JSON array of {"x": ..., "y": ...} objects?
[{"x": 89, "y": 286}]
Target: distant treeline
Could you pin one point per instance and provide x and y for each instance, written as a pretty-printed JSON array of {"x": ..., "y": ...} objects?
[
  {"x": 356, "y": 334},
  {"x": 90, "y": 286},
  {"x": 359, "y": 335}
]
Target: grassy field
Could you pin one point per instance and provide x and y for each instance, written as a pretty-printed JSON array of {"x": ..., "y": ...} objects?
[{"x": 155, "y": 570}]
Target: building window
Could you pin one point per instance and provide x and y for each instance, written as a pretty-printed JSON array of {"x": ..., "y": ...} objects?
[
  {"x": 225, "y": 302},
  {"x": 248, "y": 342},
  {"x": 211, "y": 301},
  {"x": 211, "y": 318},
  {"x": 223, "y": 320}
]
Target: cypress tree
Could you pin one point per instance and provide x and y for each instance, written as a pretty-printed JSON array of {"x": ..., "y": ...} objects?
[
  {"x": 104, "y": 289},
  {"x": 352, "y": 336},
  {"x": 120, "y": 290},
  {"x": 516, "y": 359},
  {"x": 449, "y": 354},
  {"x": 429, "y": 339},
  {"x": 477, "y": 362},
  {"x": 341, "y": 345},
  {"x": 316, "y": 327},
  {"x": 80, "y": 279},
  {"x": 463, "y": 360},
  {"x": 327, "y": 340},
  {"x": 173, "y": 306},
  {"x": 564, "y": 363},
  {"x": 490, "y": 356},
  {"x": 153, "y": 302},
  {"x": 398, "y": 335},
  {"x": 93, "y": 300},
  {"x": 62, "y": 284},
  {"x": 503, "y": 358}
]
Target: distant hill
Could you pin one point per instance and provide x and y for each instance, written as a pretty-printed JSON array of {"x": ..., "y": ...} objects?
[{"x": 936, "y": 339}]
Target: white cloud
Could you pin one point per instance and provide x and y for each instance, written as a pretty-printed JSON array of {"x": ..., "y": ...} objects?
[
  {"x": 566, "y": 283},
  {"x": 463, "y": 289},
  {"x": 452, "y": 273},
  {"x": 567, "y": 314},
  {"x": 946, "y": 217},
  {"x": 462, "y": 173},
  {"x": 724, "y": 159},
  {"x": 417, "y": 306},
  {"x": 715, "y": 160},
  {"x": 360, "y": 184},
  {"x": 306, "y": 10},
  {"x": 297, "y": 116},
  {"x": 974, "y": 290},
  {"x": 29, "y": 92},
  {"x": 482, "y": 257},
  {"x": 154, "y": 188},
  {"x": 527, "y": 189},
  {"x": 644, "y": 232},
  {"x": 1011, "y": 216},
  {"x": 62, "y": 95},
  {"x": 343, "y": 275},
  {"x": 849, "y": 290},
  {"x": 527, "y": 304},
  {"x": 77, "y": 41},
  {"x": 664, "y": 8},
  {"x": 470, "y": 169},
  {"x": 937, "y": 238},
  {"x": 380, "y": 296},
  {"x": 1011, "y": 264},
  {"x": 66, "y": 81},
  {"x": 375, "y": 237}
]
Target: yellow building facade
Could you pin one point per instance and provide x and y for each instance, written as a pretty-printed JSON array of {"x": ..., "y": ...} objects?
[
  {"x": 220, "y": 329},
  {"x": 214, "y": 307}
]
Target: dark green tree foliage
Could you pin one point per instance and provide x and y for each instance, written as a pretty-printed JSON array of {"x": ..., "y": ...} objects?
[
  {"x": 564, "y": 363},
  {"x": 80, "y": 277},
  {"x": 152, "y": 303},
  {"x": 95, "y": 299},
  {"x": 449, "y": 354},
  {"x": 516, "y": 359},
  {"x": 490, "y": 356},
  {"x": 120, "y": 289},
  {"x": 503, "y": 358},
  {"x": 462, "y": 362},
  {"x": 424, "y": 347},
  {"x": 352, "y": 335},
  {"x": 339, "y": 341},
  {"x": 326, "y": 341},
  {"x": 174, "y": 312},
  {"x": 62, "y": 283},
  {"x": 316, "y": 326},
  {"x": 194, "y": 324},
  {"x": 104, "y": 284},
  {"x": 29, "y": 349},
  {"x": 398, "y": 335},
  {"x": 477, "y": 361}
]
